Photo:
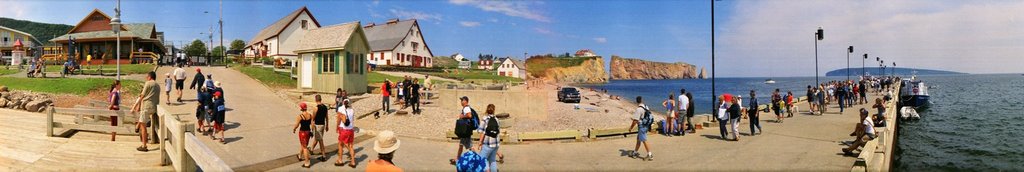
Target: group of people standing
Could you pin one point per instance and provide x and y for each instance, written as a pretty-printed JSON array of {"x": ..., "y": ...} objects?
[
  {"x": 408, "y": 93},
  {"x": 313, "y": 123},
  {"x": 210, "y": 104},
  {"x": 145, "y": 107}
]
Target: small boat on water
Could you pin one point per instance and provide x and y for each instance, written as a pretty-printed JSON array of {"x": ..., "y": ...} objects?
[
  {"x": 769, "y": 81},
  {"x": 909, "y": 113},
  {"x": 914, "y": 93}
]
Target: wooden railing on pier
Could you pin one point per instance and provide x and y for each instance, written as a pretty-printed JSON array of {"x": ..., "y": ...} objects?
[
  {"x": 181, "y": 148},
  {"x": 89, "y": 119}
]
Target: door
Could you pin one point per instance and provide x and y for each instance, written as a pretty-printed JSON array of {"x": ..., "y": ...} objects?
[{"x": 307, "y": 71}]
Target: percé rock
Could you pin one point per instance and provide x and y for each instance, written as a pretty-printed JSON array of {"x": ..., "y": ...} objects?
[
  {"x": 633, "y": 69},
  {"x": 703, "y": 73},
  {"x": 591, "y": 71}
]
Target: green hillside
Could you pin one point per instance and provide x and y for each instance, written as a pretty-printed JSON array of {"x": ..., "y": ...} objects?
[{"x": 42, "y": 31}]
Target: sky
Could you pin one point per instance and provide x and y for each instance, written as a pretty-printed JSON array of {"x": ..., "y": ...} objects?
[{"x": 753, "y": 38}]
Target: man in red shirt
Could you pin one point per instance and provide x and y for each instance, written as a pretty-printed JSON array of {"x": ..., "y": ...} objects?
[{"x": 385, "y": 92}]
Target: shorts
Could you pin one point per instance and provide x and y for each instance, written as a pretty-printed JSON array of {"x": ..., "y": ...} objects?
[
  {"x": 345, "y": 136},
  {"x": 218, "y": 126},
  {"x": 179, "y": 84},
  {"x": 200, "y": 113},
  {"x": 466, "y": 142},
  {"x": 641, "y": 135},
  {"x": 304, "y": 138},
  {"x": 145, "y": 115},
  {"x": 318, "y": 132}
]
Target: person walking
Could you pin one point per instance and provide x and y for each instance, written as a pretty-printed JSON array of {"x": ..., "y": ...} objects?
[
  {"x": 723, "y": 117},
  {"x": 401, "y": 94},
  {"x": 346, "y": 133},
  {"x": 822, "y": 107},
  {"x": 670, "y": 114},
  {"x": 385, "y": 145},
  {"x": 385, "y": 92},
  {"x": 489, "y": 142},
  {"x": 302, "y": 124},
  {"x": 467, "y": 119},
  {"x": 776, "y": 107},
  {"x": 810, "y": 100},
  {"x": 414, "y": 89},
  {"x": 179, "y": 80},
  {"x": 863, "y": 92},
  {"x": 841, "y": 98},
  {"x": 734, "y": 118},
  {"x": 202, "y": 97},
  {"x": 145, "y": 106},
  {"x": 789, "y": 104},
  {"x": 115, "y": 105},
  {"x": 320, "y": 124},
  {"x": 754, "y": 113},
  {"x": 642, "y": 119},
  {"x": 197, "y": 81},
  {"x": 168, "y": 86}
]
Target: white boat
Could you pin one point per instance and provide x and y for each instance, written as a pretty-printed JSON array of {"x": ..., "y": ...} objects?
[
  {"x": 769, "y": 81},
  {"x": 909, "y": 113}
]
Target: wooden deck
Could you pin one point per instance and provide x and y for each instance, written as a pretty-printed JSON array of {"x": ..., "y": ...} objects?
[{"x": 25, "y": 147}]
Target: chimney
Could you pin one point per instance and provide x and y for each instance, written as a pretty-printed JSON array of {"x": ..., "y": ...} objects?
[
  {"x": 370, "y": 25},
  {"x": 393, "y": 21}
]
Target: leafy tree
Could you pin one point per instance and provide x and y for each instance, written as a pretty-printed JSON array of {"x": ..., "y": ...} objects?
[
  {"x": 218, "y": 51},
  {"x": 196, "y": 48},
  {"x": 237, "y": 44}
]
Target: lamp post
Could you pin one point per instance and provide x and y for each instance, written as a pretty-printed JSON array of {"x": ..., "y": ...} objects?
[
  {"x": 893, "y": 68},
  {"x": 879, "y": 60},
  {"x": 713, "y": 97},
  {"x": 818, "y": 36},
  {"x": 850, "y": 50},
  {"x": 862, "y": 71},
  {"x": 115, "y": 25}
]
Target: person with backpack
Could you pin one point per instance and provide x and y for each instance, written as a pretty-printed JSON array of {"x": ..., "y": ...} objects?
[
  {"x": 753, "y": 113},
  {"x": 464, "y": 126},
  {"x": 642, "y": 119},
  {"x": 346, "y": 133},
  {"x": 489, "y": 142}
]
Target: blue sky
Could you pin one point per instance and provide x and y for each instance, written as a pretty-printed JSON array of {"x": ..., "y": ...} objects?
[{"x": 755, "y": 38}]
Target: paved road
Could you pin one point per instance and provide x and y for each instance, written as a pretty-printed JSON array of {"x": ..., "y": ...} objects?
[{"x": 804, "y": 143}]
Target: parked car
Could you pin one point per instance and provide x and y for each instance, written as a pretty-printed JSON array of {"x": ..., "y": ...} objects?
[{"x": 569, "y": 94}]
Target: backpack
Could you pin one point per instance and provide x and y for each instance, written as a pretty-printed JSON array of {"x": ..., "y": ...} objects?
[
  {"x": 464, "y": 127},
  {"x": 646, "y": 120},
  {"x": 492, "y": 129}
]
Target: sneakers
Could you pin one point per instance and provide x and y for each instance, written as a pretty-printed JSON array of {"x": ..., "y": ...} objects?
[{"x": 650, "y": 156}]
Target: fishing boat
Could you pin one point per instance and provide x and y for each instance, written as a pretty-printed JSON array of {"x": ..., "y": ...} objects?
[
  {"x": 769, "y": 81},
  {"x": 914, "y": 93}
]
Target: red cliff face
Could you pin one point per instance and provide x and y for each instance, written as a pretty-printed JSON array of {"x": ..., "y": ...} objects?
[{"x": 633, "y": 69}]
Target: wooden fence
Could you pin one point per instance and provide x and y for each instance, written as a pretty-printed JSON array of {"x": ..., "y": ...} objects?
[
  {"x": 181, "y": 148},
  {"x": 89, "y": 119}
]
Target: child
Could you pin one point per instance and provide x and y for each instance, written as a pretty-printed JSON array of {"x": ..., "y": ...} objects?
[{"x": 168, "y": 83}]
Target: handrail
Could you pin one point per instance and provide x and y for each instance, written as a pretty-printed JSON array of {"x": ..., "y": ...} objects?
[{"x": 181, "y": 148}]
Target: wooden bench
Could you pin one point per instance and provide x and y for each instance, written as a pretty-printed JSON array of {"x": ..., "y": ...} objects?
[
  {"x": 595, "y": 133},
  {"x": 551, "y": 135},
  {"x": 87, "y": 119}
]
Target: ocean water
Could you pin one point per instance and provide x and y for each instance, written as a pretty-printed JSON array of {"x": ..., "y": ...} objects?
[
  {"x": 975, "y": 123},
  {"x": 656, "y": 91}
]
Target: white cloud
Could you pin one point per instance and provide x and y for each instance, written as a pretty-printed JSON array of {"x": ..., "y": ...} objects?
[
  {"x": 469, "y": 23},
  {"x": 601, "y": 40},
  {"x": 967, "y": 36},
  {"x": 510, "y": 8},
  {"x": 400, "y": 13},
  {"x": 543, "y": 31},
  {"x": 493, "y": 20}
]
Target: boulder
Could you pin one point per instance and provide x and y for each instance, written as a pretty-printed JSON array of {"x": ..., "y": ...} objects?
[
  {"x": 3, "y": 88},
  {"x": 34, "y": 106},
  {"x": 3, "y": 102}
]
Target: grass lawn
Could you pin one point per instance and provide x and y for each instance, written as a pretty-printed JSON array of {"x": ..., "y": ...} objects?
[
  {"x": 126, "y": 69},
  {"x": 374, "y": 78},
  {"x": 4, "y": 71},
  {"x": 68, "y": 85},
  {"x": 267, "y": 76},
  {"x": 475, "y": 75}
]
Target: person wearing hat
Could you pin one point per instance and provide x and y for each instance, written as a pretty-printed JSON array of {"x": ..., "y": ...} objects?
[
  {"x": 218, "y": 115},
  {"x": 197, "y": 81},
  {"x": 302, "y": 124},
  {"x": 465, "y": 142},
  {"x": 385, "y": 146}
]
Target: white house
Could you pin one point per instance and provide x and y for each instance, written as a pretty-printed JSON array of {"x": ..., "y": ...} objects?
[
  {"x": 585, "y": 53},
  {"x": 282, "y": 38},
  {"x": 465, "y": 64},
  {"x": 398, "y": 43},
  {"x": 458, "y": 57},
  {"x": 512, "y": 68}
]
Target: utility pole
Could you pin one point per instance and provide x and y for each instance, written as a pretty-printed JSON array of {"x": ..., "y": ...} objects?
[
  {"x": 714, "y": 99},
  {"x": 223, "y": 52}
]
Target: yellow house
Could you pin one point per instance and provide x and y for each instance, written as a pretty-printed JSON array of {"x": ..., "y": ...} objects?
[{"x": 333, "y": 57}]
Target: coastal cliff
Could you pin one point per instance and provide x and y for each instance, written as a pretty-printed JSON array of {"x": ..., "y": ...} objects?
[
  {"x": 580, "y": 70},
  {"x": 634, "y": 69}
]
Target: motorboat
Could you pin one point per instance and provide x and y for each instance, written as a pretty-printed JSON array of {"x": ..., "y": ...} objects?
[
  {"x": 769, "y": 81},
  {"x": 909, "y": 113},
  {"x": 914, "y": 93}
]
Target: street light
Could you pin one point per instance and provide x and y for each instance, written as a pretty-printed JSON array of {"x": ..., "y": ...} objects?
[
  {"x": 894, "y": 68},
  {"x": 862, "y": 71},
  {"x": 818, "y": 36},
  {"x": 115, "y": 24},
  {"x": 848, "y": 62}
]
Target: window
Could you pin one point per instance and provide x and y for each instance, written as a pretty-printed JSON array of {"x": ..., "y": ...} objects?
[
  {"x": 415, "y": 46},
  {"x": 328, "y": 63},
  {"x": 354, "y": 63},
  {"x": 305, "y": 24}
]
